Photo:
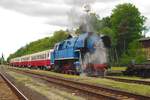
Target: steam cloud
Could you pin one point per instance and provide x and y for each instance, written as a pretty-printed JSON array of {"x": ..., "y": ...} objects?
[
  {"x": 81, "y": 17},
  {"x": 78, "y": 17},
  {"x": 79, "y": 3}
]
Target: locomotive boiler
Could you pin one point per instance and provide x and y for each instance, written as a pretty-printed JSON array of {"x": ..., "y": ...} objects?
[{"x": 84, "y": 54}]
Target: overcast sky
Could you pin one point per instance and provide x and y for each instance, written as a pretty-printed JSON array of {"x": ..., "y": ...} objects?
[{"x": 23, "y": 21}]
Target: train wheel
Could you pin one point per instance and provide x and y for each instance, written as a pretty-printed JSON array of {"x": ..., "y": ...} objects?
[
  {"x": 57, "y": 68},
  {"x": 101, "y": 73}
]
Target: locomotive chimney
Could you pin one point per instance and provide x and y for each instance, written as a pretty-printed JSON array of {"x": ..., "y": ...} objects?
[{"x": 87, "y": 8}]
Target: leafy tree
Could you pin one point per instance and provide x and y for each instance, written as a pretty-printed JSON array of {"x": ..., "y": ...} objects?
[{"x": 127, "y": 24}]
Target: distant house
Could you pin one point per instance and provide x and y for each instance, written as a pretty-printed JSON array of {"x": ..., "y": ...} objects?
[{"x": 146, "y": 45}]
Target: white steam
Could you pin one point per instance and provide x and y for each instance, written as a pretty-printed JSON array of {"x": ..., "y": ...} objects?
[
  {"x": 79, "y": 16},
  {"x": 99, "y": 56},
  {"x": 79, "y": 3}
]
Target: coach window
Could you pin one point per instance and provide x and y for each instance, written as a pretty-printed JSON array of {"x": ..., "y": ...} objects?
[
  {"x": 41, "y": 56},
  {"x": 56, "y": 46},
  {"x": 44, "y": 56},
  {"x": 64, "y": 46},
  {"x": 28, "y": 58},
  {"x": 61, "y": 45},
  {"x": 38, "y": 57},
  {"x": 68, "y": 44},
  {"x": 32, "y": 57},
  {"x": 47, "y": 54}
]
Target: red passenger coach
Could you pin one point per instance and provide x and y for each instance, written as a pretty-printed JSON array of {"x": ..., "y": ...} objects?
[
  {"x": 36, "y": 60},
  {"x": 40, "y": 59},
  {"x": 15, "y": 61}
]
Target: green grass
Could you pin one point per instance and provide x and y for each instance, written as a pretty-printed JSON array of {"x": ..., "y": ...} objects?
[
  {"x": 131, "y": 87},
  {"x": 118, "y": 68},
  {"x": 129, "y": 77}
]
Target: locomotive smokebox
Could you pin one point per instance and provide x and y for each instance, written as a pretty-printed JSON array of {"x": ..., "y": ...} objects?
[{"x": 94, "y": 54}]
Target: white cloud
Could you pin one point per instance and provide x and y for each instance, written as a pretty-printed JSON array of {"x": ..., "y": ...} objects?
[
  {"x": 18, "y": 30},
  {"x": 35, "y": 8}
]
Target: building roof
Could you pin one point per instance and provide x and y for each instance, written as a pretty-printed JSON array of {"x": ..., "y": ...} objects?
[{"x": 144, "y": 39}]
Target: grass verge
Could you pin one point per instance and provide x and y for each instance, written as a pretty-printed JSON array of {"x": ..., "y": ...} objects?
[{"x": 130, "y": 87}]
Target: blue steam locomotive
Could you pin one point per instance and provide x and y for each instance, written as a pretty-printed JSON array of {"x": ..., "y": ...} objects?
[{"x": 84, "y": 54}]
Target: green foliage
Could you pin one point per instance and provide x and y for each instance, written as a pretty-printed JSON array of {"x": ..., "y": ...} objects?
[
  {"x": 40, "y": 45},
  {"x": 124, "y": 26},
  {"x": 134, "y": 52},
  {"x": 127, "y": 24}
]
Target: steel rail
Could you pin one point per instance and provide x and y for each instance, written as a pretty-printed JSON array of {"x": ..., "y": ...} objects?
[
  {"x": 17, "y": 92},
  {"x": 128, "y": 80}
]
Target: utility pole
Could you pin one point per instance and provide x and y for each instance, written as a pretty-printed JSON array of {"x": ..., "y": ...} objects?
[{"x": 2, "y": 59}]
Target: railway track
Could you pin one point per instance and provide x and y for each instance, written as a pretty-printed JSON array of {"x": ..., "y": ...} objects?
[
  {"x": 128, "y": 80},
  {"x": 17, "y": 95},
  {"x": 97, "y": 91}
]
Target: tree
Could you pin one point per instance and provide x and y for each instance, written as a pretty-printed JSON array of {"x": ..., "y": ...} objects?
[{"x": 127, "y": 24}]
